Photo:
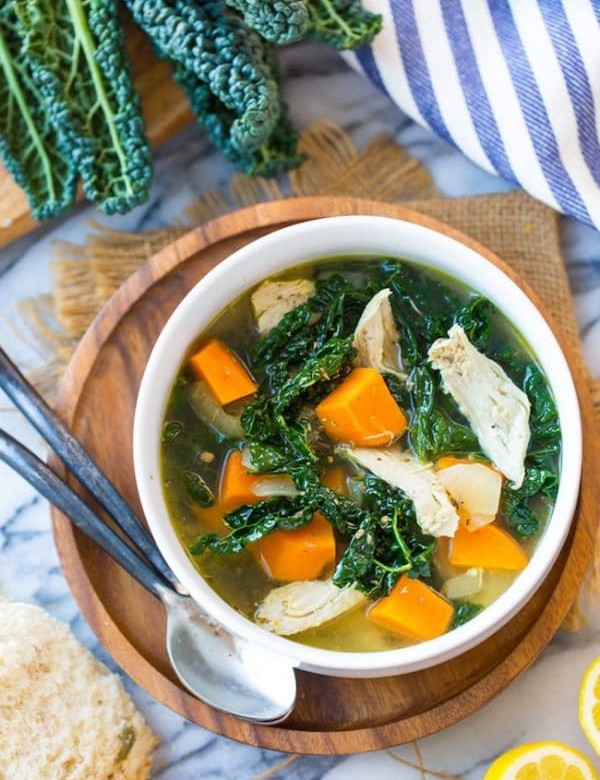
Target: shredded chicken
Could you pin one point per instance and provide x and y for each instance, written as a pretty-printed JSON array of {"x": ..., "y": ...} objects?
[
  {"x": 376, "y": 337},
  {"x": 497, "y": 410},
  {"x": 299, "y": 606},
  {"x": 435, "y": 512},
  {"x": 272, "y": 300}
]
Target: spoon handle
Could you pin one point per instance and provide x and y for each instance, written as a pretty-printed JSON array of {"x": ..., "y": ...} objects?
[
  {"x": 70, "y": 451},
  {"x": 50, "y": 485}
]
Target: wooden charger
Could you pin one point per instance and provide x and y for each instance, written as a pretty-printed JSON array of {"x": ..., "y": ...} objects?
[{"x": 332, "y": 715}]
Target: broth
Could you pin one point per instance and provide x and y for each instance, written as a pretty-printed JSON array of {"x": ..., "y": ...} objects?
[{"x": 189, "y": 445}]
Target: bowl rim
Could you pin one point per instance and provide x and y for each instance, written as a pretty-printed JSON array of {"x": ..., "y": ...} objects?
[{"x": 147, "y": 466}]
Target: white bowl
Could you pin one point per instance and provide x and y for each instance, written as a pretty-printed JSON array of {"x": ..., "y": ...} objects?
[{"x": 351, "y": 235}]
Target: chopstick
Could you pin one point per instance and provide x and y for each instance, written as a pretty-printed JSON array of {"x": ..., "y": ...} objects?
[
  {"x": 80, "y": 464},
  {"x": 41, "y": 477}
]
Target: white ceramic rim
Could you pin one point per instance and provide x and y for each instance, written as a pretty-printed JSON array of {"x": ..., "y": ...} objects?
[{"x": 304, "y": 242}]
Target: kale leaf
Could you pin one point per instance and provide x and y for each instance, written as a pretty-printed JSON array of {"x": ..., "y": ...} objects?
[
  {"x": 30, "y": 145},
  {"x": 209, "y": 40},
  {"x": 423, "y": 309},
  {"x": 251, "y": 522},
  {"x": 465, "y": 611},
  {"x": 278, "y": 21},
  {"x": 344, "y": 24},
  {"x": 197, "y": 488},
  {"x": 540, "y": 464},
  {"x": 387, "y": 544},
  {"x": 433, "y": 430},
  {"x": 275, "y": 155},
  {"x": 474, "y": 318},
  {"x": 80, "y": 66},
  {"x": 323, "y": 365}
]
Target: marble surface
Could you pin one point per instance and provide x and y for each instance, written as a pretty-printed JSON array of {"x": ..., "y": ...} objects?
[{"x": 542, "y": 704}]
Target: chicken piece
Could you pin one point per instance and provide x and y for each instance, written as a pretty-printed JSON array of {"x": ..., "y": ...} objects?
[
  {"x": 272, "y": 300},
  {"x": 299, "y": 606},
  {"x": 435, "y": 512},
  {"x": 497, "y": 411},
  {"x": 376, "y": 337}
]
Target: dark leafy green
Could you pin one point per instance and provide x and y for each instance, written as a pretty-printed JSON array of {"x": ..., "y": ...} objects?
[
  {"x": 31, "y": 147},
  {"x": 250, "y": 523},
  {"x": 474, "y": 319},
  {"x": 465, "y": 611},
  {"x": 540, "y": 479},
  {"x": 388, "y": 542},
  {"x": 81, "y": 68},
  {"x": 423, "y": 309},
  {"x": 171, "y": 430},
  {"x": 433, "y": 430},
  {"x": 323, "y": 365},
  {"x": 197, "y": 488}
]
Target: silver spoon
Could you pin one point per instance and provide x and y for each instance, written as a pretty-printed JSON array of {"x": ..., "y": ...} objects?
[
  {"x": 225, "y": 671},
  {"x": 229, "y": 673}
]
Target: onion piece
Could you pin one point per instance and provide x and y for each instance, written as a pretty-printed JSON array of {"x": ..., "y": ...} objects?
[
  {"x": 464, "y": 585},
  {"x": 275, "y": 485},
  {"x": 476, "y": 488},
  {"x": 228, "y": 426}
]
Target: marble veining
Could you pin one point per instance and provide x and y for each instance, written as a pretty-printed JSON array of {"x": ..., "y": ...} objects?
[{"x": 542, "y": 704}]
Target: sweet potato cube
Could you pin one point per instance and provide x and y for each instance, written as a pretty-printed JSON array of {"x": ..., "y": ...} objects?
[
  {"x": 223, "y": 372},
  {"x": 237, "y": 484},
  {"x": 303, "y": 554},
  {"x": 362, "y": 411},
  {"x": 334, "y": 478},
  {"x": 489, "y": 547},
  {"x": 413, "y": 610}
]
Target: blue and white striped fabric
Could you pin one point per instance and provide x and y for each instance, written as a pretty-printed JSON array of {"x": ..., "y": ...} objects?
[{"x": 515, "y": 84}]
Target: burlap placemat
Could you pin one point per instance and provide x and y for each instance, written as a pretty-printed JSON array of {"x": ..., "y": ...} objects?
[{"x": 518, "y": 228}]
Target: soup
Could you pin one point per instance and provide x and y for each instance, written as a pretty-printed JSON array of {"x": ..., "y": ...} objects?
[{"x": 360, "y": 454}]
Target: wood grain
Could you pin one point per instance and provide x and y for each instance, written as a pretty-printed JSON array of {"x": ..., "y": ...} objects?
[
  {"x": 165, "y": 109},
  {"x": 332, "y": 715}
]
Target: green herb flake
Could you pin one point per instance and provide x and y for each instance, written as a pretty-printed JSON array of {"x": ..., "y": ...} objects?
[
  {"x": 126, "y": 737},
  {"x": 465, "y": 611},
  {"x": 197, "y": 489},
  {"x": 171, "y": 430}
]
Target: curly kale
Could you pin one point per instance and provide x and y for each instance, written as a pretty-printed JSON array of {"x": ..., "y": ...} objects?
[
  {"x": 388, "y": 543},
  {"x": 276, "y": 155},
  {"x": 32, "y": 149},
  {"x": 78, "y": 61},
  {"x": 209, "y": 40},
  {"x": 343, "y": 24},
  {"x": 251, "y": 522},
  {"x": 278, "y": 21}
]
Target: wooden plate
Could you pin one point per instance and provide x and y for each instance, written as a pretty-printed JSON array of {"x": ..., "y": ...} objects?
[{"x": 332, "y": 715}]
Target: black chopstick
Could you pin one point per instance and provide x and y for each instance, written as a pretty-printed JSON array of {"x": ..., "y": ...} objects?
[
  {"x": 41, "y": 477},
  {"x": 80, "y": 464}
]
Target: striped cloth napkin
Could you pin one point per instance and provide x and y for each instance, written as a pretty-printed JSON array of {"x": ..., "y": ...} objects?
[{"x": 514, "y": 84}]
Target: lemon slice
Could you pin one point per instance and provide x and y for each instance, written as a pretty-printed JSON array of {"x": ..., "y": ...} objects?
[
  {"x": 542, "y": 761},
  {"x": 589, "y": 704}
]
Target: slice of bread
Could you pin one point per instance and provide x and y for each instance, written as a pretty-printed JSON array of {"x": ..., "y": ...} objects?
[{"x": 63, "y": 715}]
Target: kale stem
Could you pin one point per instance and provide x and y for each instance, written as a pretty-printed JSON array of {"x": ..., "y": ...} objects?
[
  {"x": 84, "y": 36},
  {"x": 400, "y": 540},
  {"x": 394, "y": 569},
  {"x": 13, "y": 83}
]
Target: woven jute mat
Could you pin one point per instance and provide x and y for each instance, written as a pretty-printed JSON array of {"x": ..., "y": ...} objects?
[{"x": 522, "y": 231}]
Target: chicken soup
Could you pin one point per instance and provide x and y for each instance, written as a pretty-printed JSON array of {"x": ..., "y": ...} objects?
[{"x": 360, "y": 454}]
